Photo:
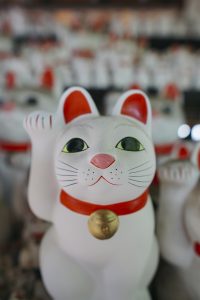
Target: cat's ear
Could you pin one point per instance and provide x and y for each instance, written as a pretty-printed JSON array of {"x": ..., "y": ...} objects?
[
  {"x": 135, "y": 104},
  {"x": 196, "y": 156},
  {"x": 75, "y": 102}
]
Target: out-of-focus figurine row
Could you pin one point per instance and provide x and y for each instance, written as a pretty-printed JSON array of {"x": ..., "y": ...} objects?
[{"x": 93, "y": 50}]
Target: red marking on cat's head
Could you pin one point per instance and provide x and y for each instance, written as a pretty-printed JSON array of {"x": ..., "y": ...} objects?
[
  {"x": 76, "y": 102},
  {"x": 197, "y": 248},
  {"x": 76, "y": 105},
  {"x": 48, "y": 78},
  {"x": 10, "y": 80},
  {"x": 135, "y": 86},
  {"x": 171, "y": 91},
  {"x": 135, "y": 106}
]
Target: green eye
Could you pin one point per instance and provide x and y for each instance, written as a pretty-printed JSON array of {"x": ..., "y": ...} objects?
[
  {"x": 130, "y": 144},
  {"x": 75, "y": 145}
]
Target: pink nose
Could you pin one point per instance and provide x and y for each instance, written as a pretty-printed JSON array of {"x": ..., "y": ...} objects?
[
  {"x": 155, "y": 113},
  {"x": 102, "y": 161},
  {"x": 9, "y": 106}
]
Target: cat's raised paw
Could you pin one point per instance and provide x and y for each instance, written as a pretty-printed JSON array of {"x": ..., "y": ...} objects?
[{"x": 39, "y": 122}]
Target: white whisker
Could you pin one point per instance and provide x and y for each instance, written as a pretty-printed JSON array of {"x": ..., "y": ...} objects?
[
  {"x": 139, "y": 165},
  {"x": 62, "y": 162}
]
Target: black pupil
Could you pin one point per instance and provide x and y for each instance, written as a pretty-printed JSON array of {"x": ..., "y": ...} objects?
[
  {"x": 166, "y": 110},
  {"x": 32, "y": 101},
  {"x": 75, "y": 145},
  {"x": 130, "y": 144}
]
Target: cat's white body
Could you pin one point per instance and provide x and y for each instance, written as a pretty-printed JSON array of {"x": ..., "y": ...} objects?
[
  {"x": 76, "y": 265},
  {"x": 178, "y": 223}
]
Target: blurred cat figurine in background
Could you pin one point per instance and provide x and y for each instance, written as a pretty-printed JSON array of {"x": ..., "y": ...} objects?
[
  {"x": 178, "y": 223},
  {"x": 15, "y": 144},
  {"x": 167, "y": 117},
  {"x": 89, "y": 178}
]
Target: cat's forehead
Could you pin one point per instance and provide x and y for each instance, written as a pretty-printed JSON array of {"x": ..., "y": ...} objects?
[{"x": 104, "y": 122}]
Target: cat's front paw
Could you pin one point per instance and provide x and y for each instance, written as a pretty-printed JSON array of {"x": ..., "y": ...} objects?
[
  {"x": 178, "y": 172},
  {"x": 39, "y": 124}
]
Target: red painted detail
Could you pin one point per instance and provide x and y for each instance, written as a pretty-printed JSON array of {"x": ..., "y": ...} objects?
[
  {"x": 75, "y": 105},
  {"x": 155, "y": 113},
  {"x": 10, "y": 80},
  {"x": 135, "y": 106},
  {"x": 183, "y": 153},
  {"x": 163, "y": 149},
  {"x": 197, "y": 248},
  {"x": 37, "y": 236},
  {"x": 102, "y": 161},
  {"x": 171, "y": 91},
  {"x": 86, "y": 208},
  {"x": 14, "y": 147},
  {"x": 48, "y": 78},
  {"x": 156, "y": 181},
  {"x": 135, "y": 86},
  {"x": 113, "y": 37},
  {"x": 84, "y": 53}
]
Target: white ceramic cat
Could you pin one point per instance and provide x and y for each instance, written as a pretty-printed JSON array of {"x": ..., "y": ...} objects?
[
  {"x": 178, "y": 223},
  {"x": 83, "y": 163}
]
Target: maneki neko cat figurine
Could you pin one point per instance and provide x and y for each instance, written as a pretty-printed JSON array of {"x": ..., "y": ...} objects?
[
  {"x": 89, "y": 177},
  {"x": 168, "y": 115},
  {"x": 178, "y": 223}
]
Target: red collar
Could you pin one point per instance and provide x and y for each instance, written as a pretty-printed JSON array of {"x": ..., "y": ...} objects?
[
  {"x": 163, "y": 149},
  {"x": 85, "y": 208},
  {"x": 14, "y": 147}
]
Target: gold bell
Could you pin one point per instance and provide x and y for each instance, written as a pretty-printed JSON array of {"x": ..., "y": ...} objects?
[{"x": 103, "y": 224}]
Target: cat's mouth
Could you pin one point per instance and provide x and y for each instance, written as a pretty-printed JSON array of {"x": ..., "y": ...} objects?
[{"x": 101, "y": 177}]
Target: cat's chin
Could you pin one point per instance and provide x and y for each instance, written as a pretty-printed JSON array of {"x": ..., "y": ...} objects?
[{"x": 104, "y": 193}]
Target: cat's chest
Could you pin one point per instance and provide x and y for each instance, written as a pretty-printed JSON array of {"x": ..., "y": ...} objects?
[{"x": 135, "y": 231}]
